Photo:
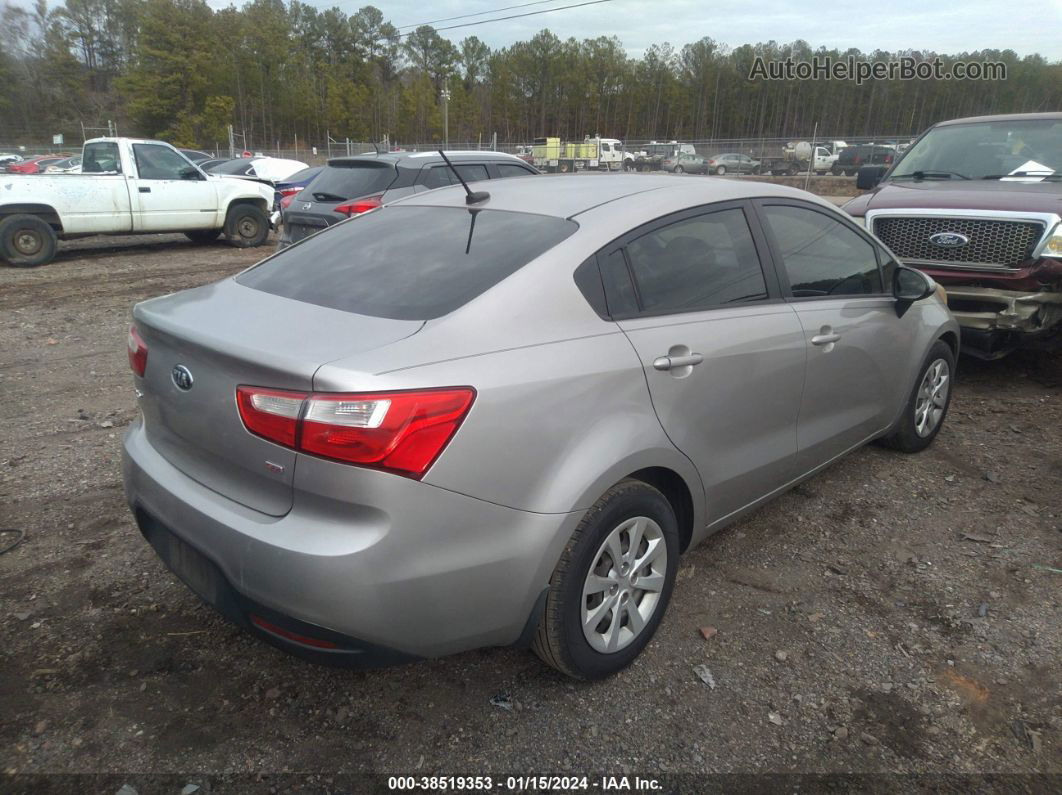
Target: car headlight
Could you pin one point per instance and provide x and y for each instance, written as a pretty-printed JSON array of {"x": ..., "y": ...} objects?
[{"x": 1053, "y": 244}]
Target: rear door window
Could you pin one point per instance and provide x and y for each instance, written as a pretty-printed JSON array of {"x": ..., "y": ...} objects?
[
  {"x": 512, "y": 170},
  {"x": 408, "y": 262},
  {"x": 351, "y": 181},
  {"x": 471, "y": 172},
  {"x": 701, "y": 262},
  {"x": 435, "y": 177}
]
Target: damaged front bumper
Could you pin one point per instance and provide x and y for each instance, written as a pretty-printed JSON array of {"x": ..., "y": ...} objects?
[{"x": 995, "y": 322}]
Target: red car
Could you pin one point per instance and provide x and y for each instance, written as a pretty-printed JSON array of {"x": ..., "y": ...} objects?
[{"x": 36, "y": 165}]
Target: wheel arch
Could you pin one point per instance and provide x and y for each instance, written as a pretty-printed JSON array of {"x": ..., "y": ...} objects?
[
  {"x": 671, "y": 484},
  {"x": 257, "y": 201},
  {"x": 45, "y": 212}
]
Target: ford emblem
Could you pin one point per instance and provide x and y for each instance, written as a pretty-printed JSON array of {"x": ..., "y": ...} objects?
[
  {"x": 182, "y": 377},
  {"x": 949, "y": 240}
]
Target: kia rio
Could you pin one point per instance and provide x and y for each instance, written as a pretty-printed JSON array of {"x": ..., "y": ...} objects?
[{"x": 462, "y": 421}]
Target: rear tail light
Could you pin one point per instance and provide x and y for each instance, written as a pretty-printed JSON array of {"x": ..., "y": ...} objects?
[
  {"x": 285, "y": 201},
  {"x": 271, "y": 413},
  {"x": 138, "y": 351},
  {"x": 359, "y": 206},
  {"x": 402, "y": 432}
]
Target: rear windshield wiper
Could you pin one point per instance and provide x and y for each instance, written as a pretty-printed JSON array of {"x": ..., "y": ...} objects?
[
  {"x": 1041, "y": 174},
  {"x": 930, "y": 175},
  {"x": 329, "y": 197}
]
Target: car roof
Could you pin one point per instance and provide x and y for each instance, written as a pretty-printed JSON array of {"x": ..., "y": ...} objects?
[
  {"x": 415, "y": 159},
  {"x": 1053, "y": 116},
  {"x": 566, "y": 196}
]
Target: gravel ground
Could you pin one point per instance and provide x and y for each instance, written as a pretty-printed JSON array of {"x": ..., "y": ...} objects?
[{"x": 896, "y": 613}]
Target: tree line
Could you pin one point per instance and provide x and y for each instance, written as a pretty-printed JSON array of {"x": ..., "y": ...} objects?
[{"x": 281, "y": 72}]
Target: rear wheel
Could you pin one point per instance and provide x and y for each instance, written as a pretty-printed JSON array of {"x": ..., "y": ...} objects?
[
  {"x": 720, "y": 170},
  {"x": 928, "y": 404},
  {"x": 678, "y": 169},
  {"x": 27, "y": 241},
  {"x": 246, "y": 226},
  {"x": 613, "y": 582},
  {"x": 203, "y": 236}
]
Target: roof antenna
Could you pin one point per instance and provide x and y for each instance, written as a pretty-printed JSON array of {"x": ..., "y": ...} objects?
[{"x": 470, "y": 198}]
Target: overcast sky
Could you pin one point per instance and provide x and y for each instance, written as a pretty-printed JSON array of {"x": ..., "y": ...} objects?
[{"x": 1029, "y": 26}]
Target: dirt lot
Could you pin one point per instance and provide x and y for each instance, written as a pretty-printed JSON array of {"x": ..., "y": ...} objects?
[{"x": 893, "y": 614}]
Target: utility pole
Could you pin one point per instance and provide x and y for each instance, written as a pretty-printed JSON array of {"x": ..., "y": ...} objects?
[{"x": 446, "y": 117}]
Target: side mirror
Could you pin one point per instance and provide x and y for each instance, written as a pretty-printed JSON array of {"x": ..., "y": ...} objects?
[
  {"x": 190, "y": 172},
  {"x": 908, "y": 286},
  {"x": 869, "y": 176}
]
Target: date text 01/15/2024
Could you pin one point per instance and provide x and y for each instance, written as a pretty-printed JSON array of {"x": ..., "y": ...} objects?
[{"x": 523, "y": 783}]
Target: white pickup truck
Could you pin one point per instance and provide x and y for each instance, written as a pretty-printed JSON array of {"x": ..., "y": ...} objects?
[{"x": 128, "y": 186}]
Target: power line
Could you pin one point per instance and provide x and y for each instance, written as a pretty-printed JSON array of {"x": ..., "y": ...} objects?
[
  {"x": 477, "y": 14},
  {"x": 514, "y": 16}
]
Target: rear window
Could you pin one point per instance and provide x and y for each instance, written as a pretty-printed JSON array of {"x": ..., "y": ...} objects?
[
  {"x": 408, "y": 263},
  {"x": 336, "y": 183}
]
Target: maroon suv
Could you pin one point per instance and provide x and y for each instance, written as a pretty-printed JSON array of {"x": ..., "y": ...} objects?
[{"x": 976, "y": 203}]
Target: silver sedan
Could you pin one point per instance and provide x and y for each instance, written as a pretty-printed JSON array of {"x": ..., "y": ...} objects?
[{"x": 478, "y": 420}]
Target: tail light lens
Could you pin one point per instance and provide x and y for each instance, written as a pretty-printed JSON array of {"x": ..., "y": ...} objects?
[
  {"x": 359, "y": 206},
  {"x": 138, "y": 352},
  {"x": 402, "y": 432},
  {"x": 271, "y": 413},
  {"x": 285, "y": 201}
]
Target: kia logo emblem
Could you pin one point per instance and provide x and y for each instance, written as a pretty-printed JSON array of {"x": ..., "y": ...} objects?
[
  {"x": 307, "y": 205},
  {"x": 182, "y": 377},
  {"x": 949, "y": 240}
]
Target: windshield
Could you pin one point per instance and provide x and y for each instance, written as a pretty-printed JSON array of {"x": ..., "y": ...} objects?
[
  {"x": 986, "y": 149},
  {"x": 408, "y": 263}
]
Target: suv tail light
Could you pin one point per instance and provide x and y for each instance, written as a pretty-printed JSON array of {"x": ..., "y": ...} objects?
[
  {"x": 402, "y": 432},
  {"x": 138, "y": 351},
  {"x": 359, "y": 206}
]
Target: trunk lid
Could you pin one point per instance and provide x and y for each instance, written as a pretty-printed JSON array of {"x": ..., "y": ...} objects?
[{"x": 225, "y": 335}]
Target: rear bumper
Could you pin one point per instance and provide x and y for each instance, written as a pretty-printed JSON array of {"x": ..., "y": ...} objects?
[{"x": 386, "y": 568}]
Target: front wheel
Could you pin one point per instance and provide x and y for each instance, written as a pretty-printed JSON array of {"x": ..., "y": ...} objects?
[
  {"x": 928, "y": 404},
  {"x": 246, "y": 226},
  {"x": 609, "y": 591},
  {"x": 27, "y": 241}
]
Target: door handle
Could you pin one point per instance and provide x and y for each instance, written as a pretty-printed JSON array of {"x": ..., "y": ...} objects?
[
  {"x": 825, "y": 339},
  {"x": 667, "y": 362},
  {"x": 144, "y": 190}
]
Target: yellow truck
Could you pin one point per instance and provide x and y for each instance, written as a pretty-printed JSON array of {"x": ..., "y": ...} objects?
[{"x": 605, "y": 154}]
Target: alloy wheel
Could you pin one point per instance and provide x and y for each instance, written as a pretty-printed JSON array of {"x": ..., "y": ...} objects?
[{"x": 932, "y": 397}]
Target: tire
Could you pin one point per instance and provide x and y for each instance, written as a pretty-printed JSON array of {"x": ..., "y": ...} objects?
[
  {"x": 560, "y": 640},
  {"x": 720, "y": 170},
  {"x": 203, "y": 236},
  {"x": 246, "y": 226},
  {"x": 563, "y": 168},
  {"x": 27, "y": 241},
  {"x": 910, "y": 435},
  {"x": 679, "y": 170}
]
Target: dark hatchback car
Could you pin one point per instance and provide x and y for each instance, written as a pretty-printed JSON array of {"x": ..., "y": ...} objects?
[
  {"x": 852, "y": 158},
  {"x": 349, "y": 186}
]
